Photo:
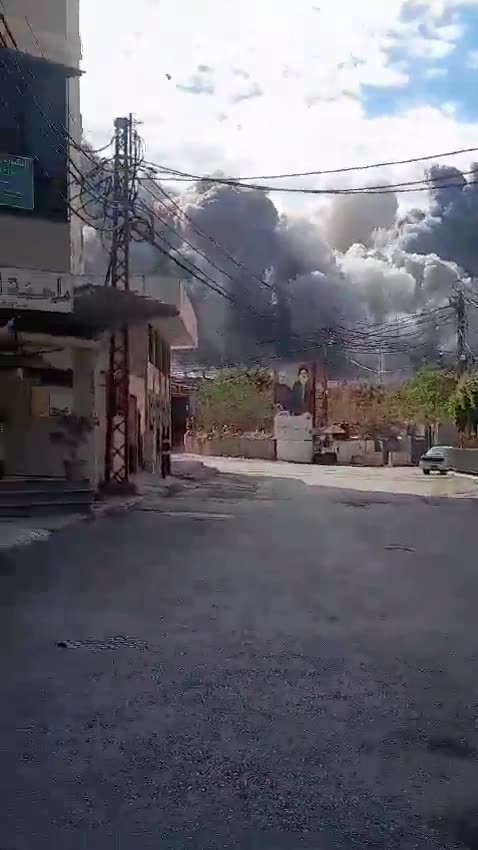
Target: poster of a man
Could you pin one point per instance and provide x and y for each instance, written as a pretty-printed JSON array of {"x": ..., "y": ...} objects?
[
  {"x": 302, "y": 392},
  {"x": 294, "y": 389},
  {"x": 282, "y": 392}
]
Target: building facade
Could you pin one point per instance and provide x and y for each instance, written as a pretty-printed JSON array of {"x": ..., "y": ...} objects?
[
  {"x": 150, "y": 370},
  {"x": 56, "y": 322},
  {"x": 54, "y": 363},
  {"x": 40, "y": 123}
]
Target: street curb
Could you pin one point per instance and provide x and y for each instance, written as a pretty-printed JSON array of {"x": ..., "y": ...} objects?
[
  {"x": 99, "y": 510},
  {"x": 29, "y": 537},
  {"x": 25, "y": 538},
  {"x": 468, "y": 476},
  {"x": 103, "y": 510}
]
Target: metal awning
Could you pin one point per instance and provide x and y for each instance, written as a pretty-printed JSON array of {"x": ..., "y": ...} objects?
[
  {"x": 106, "y": 308},
  {"x": 96, "y": 310}
]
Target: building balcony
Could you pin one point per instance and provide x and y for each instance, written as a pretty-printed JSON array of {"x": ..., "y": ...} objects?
[{"x": 180, "y": 331}]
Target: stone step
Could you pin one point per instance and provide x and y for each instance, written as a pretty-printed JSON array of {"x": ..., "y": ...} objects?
[
  {"x": 44, "y": 509},
  {"x": 20, "y": 483},
  {"x": 25, "y": 497},
  {"x": 32, "y": 496}
]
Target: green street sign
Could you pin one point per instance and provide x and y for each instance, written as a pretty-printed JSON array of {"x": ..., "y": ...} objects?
[{"x": 16, "y": 182}]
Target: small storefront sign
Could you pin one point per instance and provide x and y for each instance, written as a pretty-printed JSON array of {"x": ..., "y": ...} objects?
[
  {"x": 24, "y": 289},
  {"x": 16, "y": 182}
]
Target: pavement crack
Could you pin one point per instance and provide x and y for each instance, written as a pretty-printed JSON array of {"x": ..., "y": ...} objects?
[{"x": 97, "y": 645}]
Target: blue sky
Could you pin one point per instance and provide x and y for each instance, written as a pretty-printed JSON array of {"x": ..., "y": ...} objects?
[
  {"x": 449, "y": 81},
  {"x": 266, "y": 86}
]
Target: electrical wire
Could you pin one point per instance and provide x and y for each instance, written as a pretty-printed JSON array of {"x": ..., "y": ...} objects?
[
  {"x": 424, "y": 185},
  {"x": 427, "y": 183},
  {"x": 373, "y": 335},
  {"x": 95, "y": 151},
  {"x": 342, "y": 170},
  {"x": 191, "y": 268},
  {"x": 205, "y": 235},
  {"x": 193, "y": 247},
  {"x": 61, "y": 147}
]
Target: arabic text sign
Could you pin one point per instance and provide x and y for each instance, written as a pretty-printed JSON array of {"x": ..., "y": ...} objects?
[
  {"x": 23, "y": 289},
  {"x": 16, "y": 182}
]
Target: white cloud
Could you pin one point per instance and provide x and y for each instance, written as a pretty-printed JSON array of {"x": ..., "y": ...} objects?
[
  {"x": 305, "y": 68},
  {"x": 429, "y": 48}
]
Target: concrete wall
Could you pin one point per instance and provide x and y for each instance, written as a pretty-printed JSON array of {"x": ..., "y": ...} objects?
[
  {"x": 137, "y": 387},
  {"x": 248, "y": 447},
  {"x": 101, "y": 366},
  {"x": 34, "y": 243},
  {"x": 400, "y": 458},
  {"x": 55, "y": 24},
  {"x": 31, "y": 451},
  {"x": 138, "y": 350},
  {"x": 360, "y": 452},
  {"x": 464, "y": 460},
  {"x": 28, "y": 447},
  {"x": 363, "y": 453},
  {"x": 84, "y": 404}
]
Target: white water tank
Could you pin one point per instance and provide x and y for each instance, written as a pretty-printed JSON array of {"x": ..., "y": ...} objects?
[{"x": 294, "y": 437}]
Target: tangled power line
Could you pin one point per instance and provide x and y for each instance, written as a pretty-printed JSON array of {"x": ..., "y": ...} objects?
[{"x": 89, "y": 197}]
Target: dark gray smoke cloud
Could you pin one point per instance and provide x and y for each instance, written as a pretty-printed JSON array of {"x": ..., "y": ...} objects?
[
  {"x": 449, "y": 228},
  {"x": 237, "y": 231},
  {"x": 289, "y": 277},
  {"x": 353, "y": 219}
]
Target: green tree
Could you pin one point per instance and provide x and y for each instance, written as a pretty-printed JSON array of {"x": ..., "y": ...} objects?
[
  {"x": 239, "y": 402},
  {"x": 463, "y": 405},
  {"x": 428, "y": 395},
  {"x": 371, "y": 410}
]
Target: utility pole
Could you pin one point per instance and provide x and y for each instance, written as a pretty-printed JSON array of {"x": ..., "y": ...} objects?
[
  {"x": 325, "y": 386},
  {"x": 325, "y": 381},
  {"x": 380, "y": 366},
  {"x": 117, "y": 415},
  {"x": 459, "y": 305}
]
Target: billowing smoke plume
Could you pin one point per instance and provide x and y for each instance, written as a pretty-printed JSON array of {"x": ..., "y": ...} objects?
[
  {"x": 353, "y": 219},
  {"x": 287, "y": 278},
  {"x": 449, "y": 229}
]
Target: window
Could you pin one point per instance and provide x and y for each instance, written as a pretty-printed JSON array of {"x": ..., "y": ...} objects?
[
  {"x": 33, "y": 118},
  {"x": 150, "y": 344},
  {"x": 159, "y": 352}
]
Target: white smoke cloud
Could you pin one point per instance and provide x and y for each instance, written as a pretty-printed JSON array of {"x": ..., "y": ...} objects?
[
  {"x": 383, "y": 287},
  {"x": 290, "y": 276}
]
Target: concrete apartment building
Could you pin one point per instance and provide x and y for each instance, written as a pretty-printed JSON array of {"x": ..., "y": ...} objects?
[
  {"x": 40, "y": 97},
  {"x": 55, "y": 323}
]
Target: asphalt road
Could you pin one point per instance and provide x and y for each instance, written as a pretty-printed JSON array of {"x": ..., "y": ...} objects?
[
  {"x": 292, "y": 666},
  {"x": 406, "y": 480}
]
